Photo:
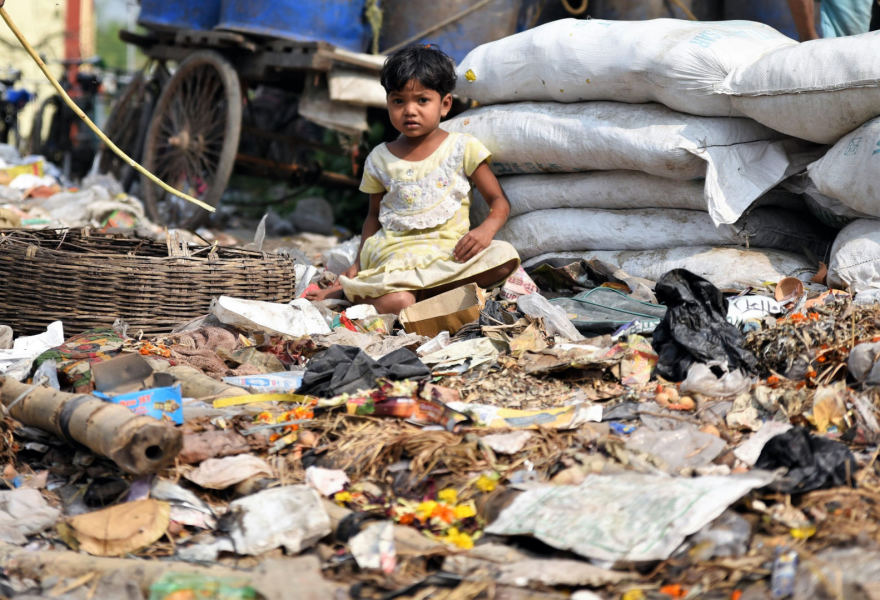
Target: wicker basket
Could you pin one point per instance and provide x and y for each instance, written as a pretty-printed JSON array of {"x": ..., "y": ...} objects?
[{"x": 89, "y": 280}]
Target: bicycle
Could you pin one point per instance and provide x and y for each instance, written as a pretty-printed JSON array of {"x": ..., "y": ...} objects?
[
  {"x": 68, "y": 143},
  {"x": 12, "y": 101},
  {"x": 128, "y": 121}
]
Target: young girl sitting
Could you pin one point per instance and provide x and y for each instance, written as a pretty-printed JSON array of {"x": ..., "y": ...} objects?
[{"x": 416, "y": 241}]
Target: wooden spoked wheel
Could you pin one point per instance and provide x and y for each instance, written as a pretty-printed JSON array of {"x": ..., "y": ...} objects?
[{"x": 193, "y": 139}]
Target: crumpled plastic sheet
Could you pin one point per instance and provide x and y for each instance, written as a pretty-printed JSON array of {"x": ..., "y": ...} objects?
[
  {"x": 813, "y": 462},
  {"x": 347, "y": 369},
  {"x": 291, "y": 516},
  {"x": 24, "y": 512},
  {"x": 695, "y": 328}
]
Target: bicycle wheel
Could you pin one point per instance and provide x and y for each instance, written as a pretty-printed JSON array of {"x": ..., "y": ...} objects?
[
  {"x": 193, "y": 139},
  {"x": 46, "y": 143},
  {"x": 122, "y": 128}
]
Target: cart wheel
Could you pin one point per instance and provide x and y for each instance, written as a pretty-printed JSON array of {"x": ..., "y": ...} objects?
[{"x": 193, "y": 139}]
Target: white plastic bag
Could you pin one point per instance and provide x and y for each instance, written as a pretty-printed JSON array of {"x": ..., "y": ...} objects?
[
  {"x": 701, "y": 379},
  {"x": 296, "y": 319},
  {"x": 16, "y": 361},
  {"x": 724, "y": 267},
  {"x": 555, "y": 319},
  {"x": 675, "y": 62},
  {"x": 341, "y": 256},
  {"x": 850, "y": 170},
  {"x": 855, "y": 257},
  {"x": 739, "y": 158},
  {"x": 818, "y": 90}
]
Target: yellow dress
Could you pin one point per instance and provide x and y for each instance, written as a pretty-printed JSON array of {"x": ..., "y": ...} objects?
[{"x": 423, "y": 214}]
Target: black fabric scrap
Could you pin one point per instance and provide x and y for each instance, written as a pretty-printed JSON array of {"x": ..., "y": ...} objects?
[
  {"x": 813, "y": 462},
  {"x": 347, "y": 369},
  {"x": 695, "y": 328}
]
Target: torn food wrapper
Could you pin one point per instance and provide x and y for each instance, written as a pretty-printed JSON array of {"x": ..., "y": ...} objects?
[
  {"x": 418, "y": 402},
  {"x": 268, "y": 383},
  {"x": 752, "y": 308},
  {"x": 563, "y": 417},
  {"x": 471, "y": 353}
]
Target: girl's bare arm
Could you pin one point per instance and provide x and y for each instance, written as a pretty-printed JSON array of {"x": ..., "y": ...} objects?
[{"x": 479, "y": 238}]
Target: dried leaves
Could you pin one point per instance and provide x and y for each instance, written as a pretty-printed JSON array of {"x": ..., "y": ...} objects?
[{"x": 813, "y": 345}]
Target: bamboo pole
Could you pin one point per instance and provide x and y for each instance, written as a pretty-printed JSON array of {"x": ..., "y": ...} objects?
[{"x": 136, "y": 443}]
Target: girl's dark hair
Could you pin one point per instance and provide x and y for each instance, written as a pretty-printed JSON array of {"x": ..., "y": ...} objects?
[{"x": 426, "y": 64}]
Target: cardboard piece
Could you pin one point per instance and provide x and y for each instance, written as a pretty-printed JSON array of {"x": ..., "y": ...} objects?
[
  {"x": 129, "y": 380},
  {"x": 449, "y": 311}
]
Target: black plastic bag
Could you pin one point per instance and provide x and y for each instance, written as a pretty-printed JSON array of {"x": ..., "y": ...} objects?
[
  {"x": 695, "y": 328},
  {"x": 346, "y": 369},
  {"x": 813, "y": 462}
]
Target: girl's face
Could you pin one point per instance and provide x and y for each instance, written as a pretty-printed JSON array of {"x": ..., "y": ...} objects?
[{"x": 415, "y": 111}]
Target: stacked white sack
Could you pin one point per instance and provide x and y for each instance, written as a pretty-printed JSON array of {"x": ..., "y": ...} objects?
[
  {"x": 587, "y": 167},
  {"x": 724, "y": 267},
  {"x": 739, "y": 158},
  {"x": 674, "y": 62},
  {"x": 828, "y": 91},
  {"x": 849, "y": 176},
  {"x": 818, "y": 90},
  {"x": 611, "y": 190},
  {"x": 578, "y": 229},
  {"x": 855, "y": 257},
  {"x": 850, "y": 170}
]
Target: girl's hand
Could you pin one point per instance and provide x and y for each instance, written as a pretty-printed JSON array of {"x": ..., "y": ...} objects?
[
  {"x": 334, "y": 290},
  {"x": 316, "y": 294},
  {"x": 472, "y": 243}
]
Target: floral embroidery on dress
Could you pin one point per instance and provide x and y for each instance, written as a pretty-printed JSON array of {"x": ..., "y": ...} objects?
[{"x": 432, "y": 199}]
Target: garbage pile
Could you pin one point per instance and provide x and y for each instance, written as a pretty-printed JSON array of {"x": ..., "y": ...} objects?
[
  {"x": 669, "y": 403},
  {"x": 688, "y": 138},
  {"x": 33, "y": 195},
  {"x": 480, "y": 445}
]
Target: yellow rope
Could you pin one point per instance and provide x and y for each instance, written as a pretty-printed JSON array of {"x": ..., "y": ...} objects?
[
  {"x": 76, "y": 109},
  {"x": 576, "y": 11}
]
